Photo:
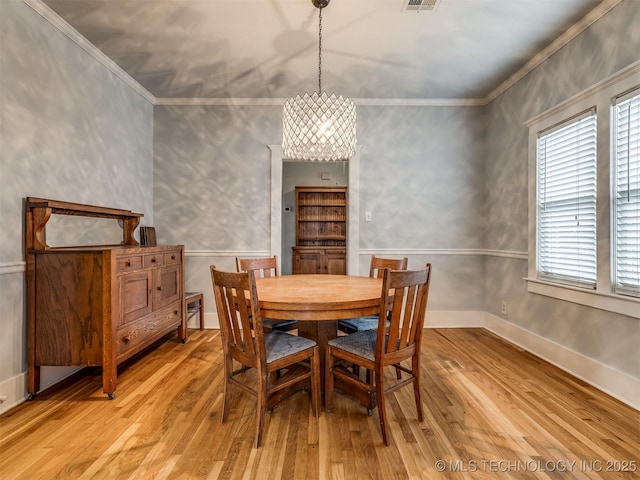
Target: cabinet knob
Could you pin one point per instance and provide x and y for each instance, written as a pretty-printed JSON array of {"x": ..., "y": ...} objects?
[
  {"x": 128, "y": 264},
  {"x": 126, "y": 339},
  {"x": 153, "y": 260},
  {"x": 159, "y": 288}
]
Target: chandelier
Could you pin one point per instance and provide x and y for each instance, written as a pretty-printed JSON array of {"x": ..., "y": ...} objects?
[{"x": 319, "y": 126}]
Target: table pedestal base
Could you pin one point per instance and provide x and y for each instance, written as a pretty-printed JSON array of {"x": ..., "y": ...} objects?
[{"x": 321, "y": 333}]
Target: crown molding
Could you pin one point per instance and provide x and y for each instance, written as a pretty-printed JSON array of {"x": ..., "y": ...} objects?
[
  {"x": 376, "y": 102},
  {"x": 221, "y": 102},
  {"x": 421, "y": 102},
  {"x": 631, "y": 72},
  {"x": 572, "y": 32},
  {"x": 54, "y": 19},
  {"x": 58, "y": 22}
]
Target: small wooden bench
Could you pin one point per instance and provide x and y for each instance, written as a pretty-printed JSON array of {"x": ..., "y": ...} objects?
[{"x": 195, "y": 304}]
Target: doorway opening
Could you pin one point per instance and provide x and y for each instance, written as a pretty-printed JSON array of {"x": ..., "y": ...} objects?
[{"x": 278, "y": 244}]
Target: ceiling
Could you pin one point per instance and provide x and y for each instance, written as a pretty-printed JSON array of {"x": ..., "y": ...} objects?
[{"x": 371, "y": 49}]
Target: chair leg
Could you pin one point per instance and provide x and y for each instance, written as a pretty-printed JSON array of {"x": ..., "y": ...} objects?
[
  {"x": 328, "y": 381},
  {"x": 261, "y": 407},
  {"x": 415, "y": 367},
  {"x": 382, "y": 411},
  {"x": 315, "y": 381},
  {"x": 228, "y": 373}
]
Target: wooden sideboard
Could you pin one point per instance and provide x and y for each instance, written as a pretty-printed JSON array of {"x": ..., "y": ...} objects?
[{"x": 97, "y": 305}]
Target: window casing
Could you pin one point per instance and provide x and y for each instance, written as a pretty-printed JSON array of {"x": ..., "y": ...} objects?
[
  {"x": 626, "y": 193},
  {"x": 607, "y": 295},
  {"x": 566, "y": 202}
]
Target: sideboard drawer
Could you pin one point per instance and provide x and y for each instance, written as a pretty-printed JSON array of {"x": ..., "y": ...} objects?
[
  {"x": 131, "y": 337},
  {"x": 172, "y": 258},
  {"x": 155, "y": 260},
  {"x": 129, "y": 263}
]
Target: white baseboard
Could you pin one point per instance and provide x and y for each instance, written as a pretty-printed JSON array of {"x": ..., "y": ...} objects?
[
  {"x": 454, "y": 319},
  {"x": 434, "y": 319},
  {"x": 15, "y": 391},
  {"x": 618, "y": 384},
  {"x": 210, "y": 321}
]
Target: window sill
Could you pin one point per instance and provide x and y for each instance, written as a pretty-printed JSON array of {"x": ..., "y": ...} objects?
[{"x": 591, "y": 298}]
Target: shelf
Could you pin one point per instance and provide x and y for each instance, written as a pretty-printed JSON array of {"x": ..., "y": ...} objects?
[
  {"x": 343, "y": 205},
  {"x": 323, "y": 220},
  {"x": 320, "y": 237},
  {"x": 321, "y": 230}
]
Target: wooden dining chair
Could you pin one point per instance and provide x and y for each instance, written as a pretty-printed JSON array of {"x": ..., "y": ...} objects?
[
  {"x": 376, "y": 270},
  {"x": 266, "y": 267},
  {"x": 296, "y": 358},
  {"x": 383, "y": 347}
]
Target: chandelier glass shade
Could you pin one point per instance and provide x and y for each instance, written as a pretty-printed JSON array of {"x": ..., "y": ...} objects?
[{"x": 320, "y": 126}]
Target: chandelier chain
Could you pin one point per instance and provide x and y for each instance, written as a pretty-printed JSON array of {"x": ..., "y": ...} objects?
[
  {"x": 320, "y": 50},
  {"x": 318, "y": 126}
]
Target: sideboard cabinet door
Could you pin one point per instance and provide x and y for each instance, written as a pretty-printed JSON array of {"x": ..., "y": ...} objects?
[
  {"x": 167, "y": 286},
  {"x": 135, "y": 295}
]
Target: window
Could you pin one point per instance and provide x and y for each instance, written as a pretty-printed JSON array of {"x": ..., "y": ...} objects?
[
  {"x": 626, "y": 184},
  {"x": 566, "y": 207},
  {"x": 584, "y": 197}
]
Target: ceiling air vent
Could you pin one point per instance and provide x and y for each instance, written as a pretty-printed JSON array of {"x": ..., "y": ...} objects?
[{"x": 419, "y": 5}]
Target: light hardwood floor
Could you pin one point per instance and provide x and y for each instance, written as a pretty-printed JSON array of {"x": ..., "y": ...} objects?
[{"x": 491, "y": 411}]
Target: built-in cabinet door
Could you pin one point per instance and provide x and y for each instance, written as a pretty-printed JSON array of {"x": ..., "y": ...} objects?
[
  {"x": 335, "y": 262},
  {"x": 308, "y": 262},
  {"x": 167, "y": 286},
  {"x": 330, "y": 261},
  {"x": 135, "y": 295}
]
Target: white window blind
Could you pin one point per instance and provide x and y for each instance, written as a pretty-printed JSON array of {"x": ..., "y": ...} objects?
[
  {"x": 566, "y": 223},
  {"x": 627, "y": 194}
]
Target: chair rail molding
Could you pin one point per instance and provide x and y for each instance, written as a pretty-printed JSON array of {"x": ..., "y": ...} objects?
[
  {"x": 445, "y": 251},
  {"x": 12, "y": 267},
  {"x": 226, "y": 253}
]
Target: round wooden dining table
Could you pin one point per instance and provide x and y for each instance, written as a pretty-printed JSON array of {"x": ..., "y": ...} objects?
[
  {"x": 318, "y": 297},
  {"x": 318, "y": 302}
]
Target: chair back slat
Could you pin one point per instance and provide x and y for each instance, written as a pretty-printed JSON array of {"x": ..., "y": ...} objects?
[
  {"x": 410, "y": 290},
  {"x": 262, "y": 267},
  {"x": 243, "y": 341},
  {"x": 378, "y": 265},
  {"x": 240, "y": 322}
]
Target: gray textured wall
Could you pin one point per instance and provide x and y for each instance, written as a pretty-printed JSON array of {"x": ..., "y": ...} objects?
[
  {"x": 421, "y": 176},
  {"x": 69, "y": 130},
  {"x": 212, "y": 175},
  {"x": 610, "y": 44},
  {"x": 435, "y": 178}
]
